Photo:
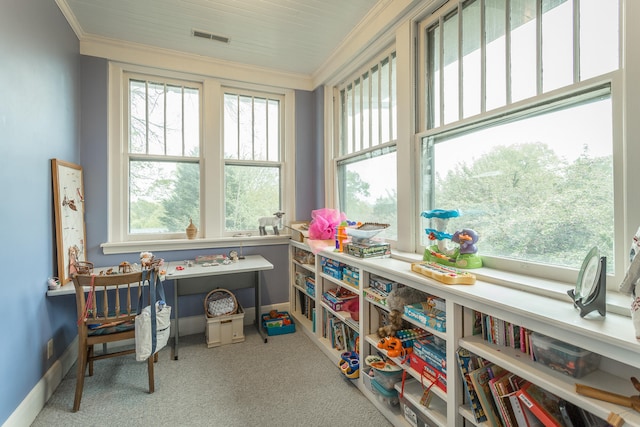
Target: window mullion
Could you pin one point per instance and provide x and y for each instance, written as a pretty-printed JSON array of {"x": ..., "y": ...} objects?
[
  {"x": 538, "y": 47},
  {"x": 483, "y": 58},
  {"x": 507, "y": 48},
  {"x": 460, "y": 63},
  {"x": 576, "y": 41},
  {"x": 442, "y": 65},
  {"x": 164, "y": 115}
]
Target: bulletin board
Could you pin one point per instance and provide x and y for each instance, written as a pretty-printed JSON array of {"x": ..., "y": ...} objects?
[{"x": 68, "y": 200}]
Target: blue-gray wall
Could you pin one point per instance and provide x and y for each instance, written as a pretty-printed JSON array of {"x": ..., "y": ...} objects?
[
  {"x": 39, "y": 120},
  {"x": 53, "y": 104}
]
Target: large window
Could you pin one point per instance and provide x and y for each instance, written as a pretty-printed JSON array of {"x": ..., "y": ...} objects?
[
  {"x": 366, "y": 166},
  {"x": 193, "y": 149},
  {"x": 518, "y": 128}
]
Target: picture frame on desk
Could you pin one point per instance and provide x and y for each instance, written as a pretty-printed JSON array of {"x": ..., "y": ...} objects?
[{"x": 68, "y": 202}]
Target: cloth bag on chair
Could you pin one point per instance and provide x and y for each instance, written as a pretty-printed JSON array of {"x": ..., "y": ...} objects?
[{"x": 153, "y": 327}]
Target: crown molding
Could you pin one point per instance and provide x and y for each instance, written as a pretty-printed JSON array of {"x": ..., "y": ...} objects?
[{"x": 166, "y": 59}]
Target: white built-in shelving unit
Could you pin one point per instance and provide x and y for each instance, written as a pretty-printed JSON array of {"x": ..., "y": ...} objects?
[{"x": 612, "y": 336}]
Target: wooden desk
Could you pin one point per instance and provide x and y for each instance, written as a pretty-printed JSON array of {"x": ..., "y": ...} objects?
[{"x": 198, "y": 279}]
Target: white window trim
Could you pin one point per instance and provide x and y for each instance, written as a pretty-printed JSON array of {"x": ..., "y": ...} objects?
[{"x": 211, "y": 229}]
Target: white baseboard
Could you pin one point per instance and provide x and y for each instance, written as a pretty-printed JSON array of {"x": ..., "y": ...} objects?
[
  {"x": 33, "y": 403},
  {"x": 31, "y": 406}
]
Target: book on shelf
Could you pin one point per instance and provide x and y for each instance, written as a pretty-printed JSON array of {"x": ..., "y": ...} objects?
[
  {"x": 480, "y": 379},
  {"x": 468, "y": 362},
  {"x": 544, "y": 405},
  {"x": 523, "y": 415},
  {"x": 501, "y": 387}
]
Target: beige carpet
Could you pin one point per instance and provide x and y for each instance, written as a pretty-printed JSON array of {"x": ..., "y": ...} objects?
[{"x": 285, "y": 382}]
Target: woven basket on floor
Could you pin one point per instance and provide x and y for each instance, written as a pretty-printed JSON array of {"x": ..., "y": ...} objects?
[{"x": 220, "y": 302}]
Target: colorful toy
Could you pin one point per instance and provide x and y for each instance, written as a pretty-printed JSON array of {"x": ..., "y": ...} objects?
[
  {"x": 394, "y": 347},
  {"x": 446, "y": 275},
  {"x": 349, "y": 364},
  {"x": 463, "y": 254}
]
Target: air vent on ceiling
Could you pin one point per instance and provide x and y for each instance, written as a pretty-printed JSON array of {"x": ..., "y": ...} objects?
[{"x": 214, "y": 37}]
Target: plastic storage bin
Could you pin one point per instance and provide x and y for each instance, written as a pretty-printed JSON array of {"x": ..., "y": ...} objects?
[
  {"x": 566, "y": 358},
  {"x": 225, "y": 329},
  {"x": 386, "y": 379},
  {"x": 283, "y": 324},
  {"x": 412, "y": 415},
  {"x": 388, "y": 397}
]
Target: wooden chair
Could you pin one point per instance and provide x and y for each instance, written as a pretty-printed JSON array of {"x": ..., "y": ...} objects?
[{"x": 106, "y": 315}]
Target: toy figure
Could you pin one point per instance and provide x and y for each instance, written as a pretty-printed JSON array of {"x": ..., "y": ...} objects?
[
  {"x": 463, "y": 255},
  {"x": 273, "y": 221}
]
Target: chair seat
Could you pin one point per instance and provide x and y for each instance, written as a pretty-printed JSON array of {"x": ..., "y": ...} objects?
[{"x": 106, "y": 330}]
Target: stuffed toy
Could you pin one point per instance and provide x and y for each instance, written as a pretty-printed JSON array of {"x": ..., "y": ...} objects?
[{"x": 396, "y": 300}]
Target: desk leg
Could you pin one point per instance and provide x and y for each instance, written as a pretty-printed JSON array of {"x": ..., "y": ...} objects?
[
  {"x": 176, "y": 317},
  {"x": 259, "y": 305}
]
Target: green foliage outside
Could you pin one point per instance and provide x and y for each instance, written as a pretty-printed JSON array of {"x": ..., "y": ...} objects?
[{"x": 526, "y": 203}]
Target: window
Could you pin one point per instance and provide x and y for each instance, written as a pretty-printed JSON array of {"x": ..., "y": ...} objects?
[
  {"x": 518, "y": 131},
  {"x": 163, "y": 156},
  {"x": 366, "y": 166},
  {"x": 193, "y": 149},
  {"x": 253, "y": 170}
]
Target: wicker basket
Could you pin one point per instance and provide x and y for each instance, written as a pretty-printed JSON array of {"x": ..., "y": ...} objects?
[{"x": 220, "y": 302}]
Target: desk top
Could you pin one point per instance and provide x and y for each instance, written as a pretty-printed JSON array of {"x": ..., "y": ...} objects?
[{"x": 250, "y": 263}]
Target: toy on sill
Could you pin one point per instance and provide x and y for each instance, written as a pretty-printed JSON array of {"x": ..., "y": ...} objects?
[
  {"x": 462, "y": 254},
  {"x": 273, "y": 221}
]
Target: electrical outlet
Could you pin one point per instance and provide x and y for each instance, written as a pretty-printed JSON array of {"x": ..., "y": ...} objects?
[{"x": 50, "y": 349}]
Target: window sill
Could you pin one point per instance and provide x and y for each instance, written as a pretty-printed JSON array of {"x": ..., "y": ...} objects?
[
  {"x": 185, "y": 244},
  {"x": 617, "y": 302}
]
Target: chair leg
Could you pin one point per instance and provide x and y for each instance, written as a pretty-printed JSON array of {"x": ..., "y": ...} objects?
[
  {"x": 82, "y": 367},
  {"x": 150, "y": 361},
  {"x": 90, "y": 358}
]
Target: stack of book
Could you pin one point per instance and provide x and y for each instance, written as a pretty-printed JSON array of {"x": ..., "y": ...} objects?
[{"x": 502, "y": 399}]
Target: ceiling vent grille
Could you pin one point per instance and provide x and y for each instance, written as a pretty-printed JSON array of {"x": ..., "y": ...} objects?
[{"x": 214, "y": 37}]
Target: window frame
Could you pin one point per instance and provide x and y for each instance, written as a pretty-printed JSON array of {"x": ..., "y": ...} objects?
[
  {"x": 499, "y": 268},
  {"x": 343, "y": 155},
  {"x": 211, "y": 230}
]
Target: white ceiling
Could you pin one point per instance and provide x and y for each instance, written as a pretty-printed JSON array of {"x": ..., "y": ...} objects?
[{"x": 294, "y": 36}]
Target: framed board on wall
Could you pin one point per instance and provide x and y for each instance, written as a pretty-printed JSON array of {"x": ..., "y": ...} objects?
[{"x": 68, "y": 200}]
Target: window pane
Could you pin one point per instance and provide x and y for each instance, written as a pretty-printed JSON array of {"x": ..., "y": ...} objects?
[
  {"x": 375, "y": 103},
  {"x": 174, "y": 120},
  {"x": 137, "y": 117},
  {"x": 259, "y": 129},
  {"x": 163, "y": 196},
  {"x": 230, "y": 126},
  {"x": 538, "y": 189},
  {"x": 366, "y": 119},
  {"x": 245, "y": 127},
  {"x": 155, "y": 105},
  {"x": 357, "y": 116},
  {"x": 433, "y": 77},
  {"x": 348, "y": 141},
  {"x": 386, "y": 96},
  {"x": 598, "y": 37},
  {"x": 471, "y": 59},
  {"x": 523, "y": 49},
  {"x": 496, "y": 78},
  {"x": 251, "y": 192},
  {"x": 368, "y": 191},
  {"x": 273, "y": 118},
  {"x": 557, "y": 44},
  {"x": 394, "y": 99},
  {"x": 191, "y": 122},
  {"x": 451, "y": 77}
]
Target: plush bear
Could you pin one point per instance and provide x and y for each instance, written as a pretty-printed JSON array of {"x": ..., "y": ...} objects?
[{"x": 396, "y": 300}]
